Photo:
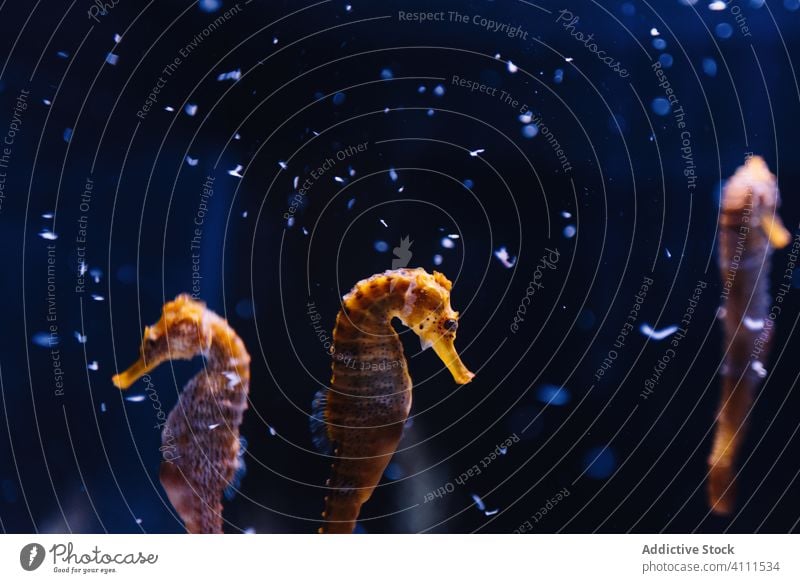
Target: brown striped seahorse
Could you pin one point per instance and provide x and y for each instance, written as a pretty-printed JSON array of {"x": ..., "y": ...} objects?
[
  {"x": 200, "y": 438},
  {"x": 362, "y": 415},
  {"x": 749, "y": 229}
]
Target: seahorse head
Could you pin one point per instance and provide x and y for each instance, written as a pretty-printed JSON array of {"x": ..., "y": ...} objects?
[
  {"x": 181, "y": 333},
  {"x": 754, "y": 186},
  {"x": 427, "y": 311}
]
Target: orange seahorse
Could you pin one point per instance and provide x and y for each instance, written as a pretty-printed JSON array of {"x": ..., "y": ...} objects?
[
  {"x": 361, "y": 417},
  {"x": 200, "y": 438},
  {"x": 749, "y": 229}
]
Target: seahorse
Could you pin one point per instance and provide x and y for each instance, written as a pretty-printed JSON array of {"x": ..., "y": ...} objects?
[
  {"x": 200, "y": 437},
  {"x": 361, "y": 417},
  {"x": 749, "y": 229}
]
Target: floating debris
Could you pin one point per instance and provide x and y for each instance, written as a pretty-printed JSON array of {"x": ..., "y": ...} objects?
[
  {"x": 67, "y": 134},
  {"x": 512, "y": 68},
  {"x": 654, "y": 32},
  {"x": 566, "y": 214},
  {"x": 569, "y": 231},
  {"x": 190, "y": 109},
  {"x": 237, "y": 171},
  {"x": 474, "y": 153},
  {"x": 214, "y": 426},
  {"x": 384, "y": 223},
  {"x": 209, "y": 5},
  {"x": 530, "y": 131},
  {"x": 393, "y": 174},
  {"x": 599, "y": 462},
  {"x": 103, "y": 407},
  {"x": 717, "y": 5},
  {"x": 230, "y": 75},
  {"x": 710, "y": 67},
  {"x": 191, "y": 161},
  {"x": 447, "y": 243},
  {"x": 752, "y": 324},
  {"x": 422, "y": 89},
  {"x": 63, "y": 54},
  {"x": 660, "y": 106},
  {"x": 350, "y": 203},
  {"x": 169, "y": 108},
  {"x": 387, "y": 74},
  {"x": 558, "y": 75},
  {"x": 117, "y": 38},
  {"x": 438, "y": 91},
  {"x": 96, "y": 274},
  {"x": 758, "y": 368},
  {"x": 98, "y": 298},
  {"x": 381, "y": 246},
  {"x": 478, "y": 502},
  {"x": 283, "y": 164},
  {"x": 437, "y": 259},
  {"x": 657, "y": 334},
  {"x": 553, "y": 395},
  {"x": 272, "y": 431},
  {"x": 135, "y": 398},
  {"x": 667, "y": 253},
  {"x": 112, "y": 58},
  {"x": 44, "y": 339},
  {"x": 233, "y": 378},
  {"x": 80, "y": 337},
  {"x": 504, "y": 257},
  {"x": 339, "y": 179},
  {"x": 94, "y": 365}
]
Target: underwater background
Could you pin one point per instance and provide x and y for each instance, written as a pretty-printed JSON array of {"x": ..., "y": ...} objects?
[{"x": 568, "y": 186}]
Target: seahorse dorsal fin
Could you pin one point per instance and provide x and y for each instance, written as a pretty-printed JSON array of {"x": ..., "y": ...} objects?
[{"x": 319, "y": 427}]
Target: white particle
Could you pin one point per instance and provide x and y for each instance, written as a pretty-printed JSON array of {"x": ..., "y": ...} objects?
[
  {"x": 283, "y": 164},
  {"x": 667, "y": 253},
  {"x": 454, "y": 236},
  {"x": 717, "y": 5},
  {"x": 526, "y": 117},
  {"x": 474, "y": 153},
  {"x": 80, "y": 337},
  {"x": 752, "y": 324},
  {"x": 82, "y": 268},
  {"x": 47, "y": 102},
  {"x": 290, "y": 222},
  {"x": 96, "y": 274},
  {"x": 657, "y": 334},
  {"x": 339, "y": 179},
  {"x": 351, "y": 171},
  {"x": 233, "y": 378},
  {"x": 295, "y": 182},
  {"x": 48, "y": 234},
  {"x": 274, "y": 40},
  {"x": 491, "y": 512},
  {"x": 447, "y": 243},
  {"x": 305, "y": 231},
  {"x": 721, "y": 313},
  {"x": 236, "y": 171},
  {"x": 94, "y": 365},
  {"x": 348, "y": 7},
  {"x": 478, "y": 502},
  {"x": 654, "y": 32},
  {"x": 237, "y": 136},
  {"x": 272, "y": 431},
  {"x": 169, "y": 108},
  {"x": 47, "y": 215},
  {"x": 97, "y": 297},
  {"x": 566, "y": 214},
  {"x": 504, "y": 258},
  {"x": 138, "y": 521},
  {"x": 512, "y": 68},
  {"x": 191, "y": 161},
  {"x": 190, "y": 109},
  {"x": 437, "y": 259},
  {"x": 393, "y": 174},
  {"x": 568, "y": 59},
  {"x": 384, "y": 223},
  {"x": 249, "y": 530},
  {"x": 135, "y": 398},
  {"x": 244, "y": 214},
  {"x": 759, "y": 369},
  {"x": 214, "y": 426},
  {"x": 401, "y": 189},
  {"x": 103, "y": 408},
  {"x": 438, "y": 90},
  {"x": 117, "y": 38},
  {"x": 503, "y": 450}
]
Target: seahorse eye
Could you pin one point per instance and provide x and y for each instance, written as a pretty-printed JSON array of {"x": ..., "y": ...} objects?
[{"x": 451, "y": 325}]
